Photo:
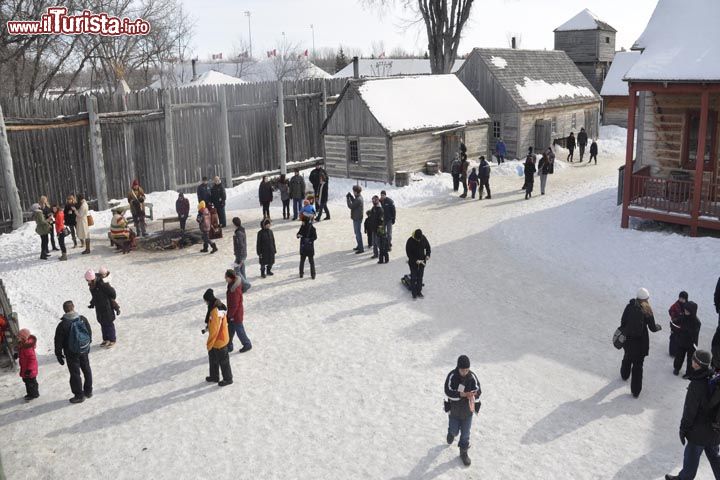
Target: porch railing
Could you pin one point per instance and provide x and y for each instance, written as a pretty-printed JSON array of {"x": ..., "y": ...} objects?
[{"x": 673, "y": 196}]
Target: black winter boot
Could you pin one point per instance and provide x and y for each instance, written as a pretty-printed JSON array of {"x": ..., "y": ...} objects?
[
  {"x": 450, "y": 439},
  {"x": 464, "y": 457}
]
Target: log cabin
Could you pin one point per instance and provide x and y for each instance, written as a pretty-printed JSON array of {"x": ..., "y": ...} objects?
[
  {"x": 380, "y": 126},
  {"x": 676, "y": 85},
  {"x": 614, "y": 93}
]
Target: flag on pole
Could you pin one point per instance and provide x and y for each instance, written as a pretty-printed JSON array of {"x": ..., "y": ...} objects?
[{"x": 217, "y": 56}]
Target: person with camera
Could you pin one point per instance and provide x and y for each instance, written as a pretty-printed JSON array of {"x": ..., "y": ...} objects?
[
  {"x": 218, "y": 339},
  {"x": 355, "y": 204},
  {"x": 417, "y": 249},
  {"x": 462, "y": 389}
]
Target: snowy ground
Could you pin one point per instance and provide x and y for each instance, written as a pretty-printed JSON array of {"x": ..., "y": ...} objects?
[{"x": 345, "y": 377}]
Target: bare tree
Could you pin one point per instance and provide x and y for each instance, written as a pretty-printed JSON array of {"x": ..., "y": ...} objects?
[
  {"x": 444, "y": 21},
  {"x": 241, "y": 58},
  {"x": 288, "y": 63}
]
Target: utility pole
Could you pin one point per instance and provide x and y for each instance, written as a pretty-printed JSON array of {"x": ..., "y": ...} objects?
[
  {"x": 312, "y": 27},
  {"x": 247, "y": 14}
]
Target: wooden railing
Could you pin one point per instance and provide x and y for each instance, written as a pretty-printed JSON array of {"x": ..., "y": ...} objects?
[
  {"x": 710, "y": 201},
  {"x": 673, "y": 196}
]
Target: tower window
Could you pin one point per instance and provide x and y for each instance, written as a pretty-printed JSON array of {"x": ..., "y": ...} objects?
[{"x": 607, "y": 39}]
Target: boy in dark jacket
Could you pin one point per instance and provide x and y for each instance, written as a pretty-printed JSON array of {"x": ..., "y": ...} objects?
[
  {"x": 383, "y": 244},
  {"x": 530, "y": 170},
  {"x": 687, "y": 337},
  {"x": 76, "y": 361},
  {"x": 676, "y": 311},
  {"x": 266, "y": 248},
  {"x": 462, "y": 389},
  {"x": 28, "y": 363},
  {"x": 239, "y": 246},
  {"x": 307, "y": 235}
]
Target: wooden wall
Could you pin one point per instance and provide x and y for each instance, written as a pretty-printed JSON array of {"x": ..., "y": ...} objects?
[
  {"x": 410, "y": 152},
  {"x": 476, "y": 141},
  {"x": 478, "y": 79},
  {"x": 586, "y": 45},
  {"x": 663, "y": 127},
  {"x": 373, "y": 153},
  {"x": 351, "y": 116},
  {"x": 595, "y": 73},
  {"x": 584, "y": 115},
  {"x": 615, "y": 110}
]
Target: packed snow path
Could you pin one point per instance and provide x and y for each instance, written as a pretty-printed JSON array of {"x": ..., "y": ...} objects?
[{"x": 346, "y": 372}]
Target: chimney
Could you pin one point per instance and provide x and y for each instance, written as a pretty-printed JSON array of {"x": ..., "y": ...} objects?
[
  {"x": 356, "y": 67},
  {"x": 194, "y": 76},
  {"x": 513, "y": 43}
]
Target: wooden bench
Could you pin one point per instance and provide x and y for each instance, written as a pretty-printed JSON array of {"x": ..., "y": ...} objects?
[
  {"x": 167, "y": 220},
  {"x": 125, "y": 208}
]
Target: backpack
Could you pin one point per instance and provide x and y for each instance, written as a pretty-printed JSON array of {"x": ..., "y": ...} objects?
[{"x": 79, "y": 339}]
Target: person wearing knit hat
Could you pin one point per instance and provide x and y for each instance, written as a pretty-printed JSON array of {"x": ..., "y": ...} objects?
[
  {"x": 43, "y": 229},
  {"x": 218, "y": 338},
  {"x": 687, "y": 337},
  {"x": 136, "y": 200},
  {"x": 697, "y": 432},
  {"x": 637, "y": 318},
  {"x": 676, "y": 311},
  {"x": 265, "y": 248},
  {"x": 104, "y": 302},
  {"x": 205, "y": 224},
  {"x": 417, "y": 249},
  {"x": 28, "y": 363},
  {"x": 462, "y": 389}
]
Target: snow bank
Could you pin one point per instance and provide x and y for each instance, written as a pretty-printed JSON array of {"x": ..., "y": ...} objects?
[{"x": 536, "y": 92}]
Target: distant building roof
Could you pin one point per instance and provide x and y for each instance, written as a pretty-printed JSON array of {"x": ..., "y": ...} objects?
[
  {"x": 387, "y": 67},
  {"x": 211, "y": 77},
  {"x": 536, "y": 78},
  {"x": 585, "y": 20},
  {"x": 680, "y": 43},
  {"x": 416, "y": 103},
  {"x": 266, "y": 70},
  {"x": 614, "y": 84}
]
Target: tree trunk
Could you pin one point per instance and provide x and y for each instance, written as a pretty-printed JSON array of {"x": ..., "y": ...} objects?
[{"x": 444, "y": 30}]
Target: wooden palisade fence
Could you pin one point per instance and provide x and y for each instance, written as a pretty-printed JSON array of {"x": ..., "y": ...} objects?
[{"x": 98, "y": 145}]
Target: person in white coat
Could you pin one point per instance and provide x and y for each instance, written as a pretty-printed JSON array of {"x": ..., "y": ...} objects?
[{"x": 83, "y": 229}]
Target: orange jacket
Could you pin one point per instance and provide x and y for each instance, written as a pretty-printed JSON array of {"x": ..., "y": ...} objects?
[{"x": 218, "y": 335}]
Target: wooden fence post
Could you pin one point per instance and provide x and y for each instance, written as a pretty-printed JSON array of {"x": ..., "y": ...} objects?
[
  {"x": 225, "y": 137},
  {"x": 324, "y": 99},
  {"x": 8, "y": 173},
  {"x": 96, "y": 153},
  {"x": 282, "y": 152},
  {"x": 169, "y": 140}
]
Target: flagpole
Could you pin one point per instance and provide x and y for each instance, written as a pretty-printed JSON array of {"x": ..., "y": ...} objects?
[
  {"x": 312, "y": 27},
  {"x": 247, "y": 14}
]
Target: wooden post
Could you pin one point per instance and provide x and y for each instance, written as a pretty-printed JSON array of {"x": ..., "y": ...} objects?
[
  {"x": 8, "y": 173},
  {"x": 225, "y": 137},
  {"x": 629, "y": 150},
  {"x": 129, "y": 137},
  {"x": 699, "y": 162},
  {"x": 324, "y": 99},
  {"x": 282, "y": 153},
  {"x": 169, "y": 141},
  {"x": 96, "y": 153}
]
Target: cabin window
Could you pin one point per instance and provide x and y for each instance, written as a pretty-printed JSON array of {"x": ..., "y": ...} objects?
[
  {"x": 607, "y": 39},
  {"x": 553, "y": 124},
  {"x": 691, "y": 133},
  {"x": 354, "y": 153},
  {"x": 573, "y": 121},
  {"x": 497, "y": 131}
]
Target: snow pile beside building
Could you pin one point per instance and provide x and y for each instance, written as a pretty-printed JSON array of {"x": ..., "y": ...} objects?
[{"x": 536, "y": 92}]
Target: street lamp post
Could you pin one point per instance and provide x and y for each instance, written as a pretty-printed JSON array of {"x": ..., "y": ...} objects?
[{"x": 247, "y": 14}]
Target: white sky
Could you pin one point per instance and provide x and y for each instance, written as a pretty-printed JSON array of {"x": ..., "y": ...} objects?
[{"x": 220, "y": 24}]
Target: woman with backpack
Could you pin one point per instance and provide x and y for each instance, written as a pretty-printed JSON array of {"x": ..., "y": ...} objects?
[
  {"x": 307, "y": 235},
  {"x": 636, "y": 320}
]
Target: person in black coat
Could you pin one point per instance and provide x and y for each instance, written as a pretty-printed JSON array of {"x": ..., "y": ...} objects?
[
  {"x": 70, "y": 212},
  {"x": 697, "y": 432},
  {"x": 266, "y": 248},
  {"x": 315, "y": 177},
  {"x": 203, "y": 192},
  {"x": 217, "y": 198},
  {"x": 462, "y": 389},
  {"x": 103, "y": 296},
  {"x": 322, "y": 199},
  {"x": 265, "y": 194},
  {"x": 389, "y": 214},
  {"x": 307, "y": 235},
  {"x": 76, "y": 362},
  {"x": 376, "y": 218},
  {"x": 717, "y": 299},
  {"x": 637, "y": 318},
  {"x": 582, "y": 140},
  {"x": 484, "y": 177},
  {"x": 593, "y": 151},
  {"x": 686, "y": 338},
  {"x": 529, "y": 173},
  {"x": 570, "y": 144},
  {"x": 182, "y": 208},
  {"x": 417, "y": 249}
]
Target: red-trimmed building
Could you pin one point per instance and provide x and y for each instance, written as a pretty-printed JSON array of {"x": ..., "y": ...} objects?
[{"x": 675, "y": 85}]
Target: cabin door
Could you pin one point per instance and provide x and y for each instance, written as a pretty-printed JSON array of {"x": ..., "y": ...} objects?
[
  {"x": 543, "y": 135},
  {"x": 450, "y": 146}
]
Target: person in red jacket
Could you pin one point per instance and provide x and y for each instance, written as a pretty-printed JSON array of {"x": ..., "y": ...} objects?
[
  {"x": 235, "y": 311},
  {"x": 28, "y": 363},
  {"x": 59, "y": 215}
]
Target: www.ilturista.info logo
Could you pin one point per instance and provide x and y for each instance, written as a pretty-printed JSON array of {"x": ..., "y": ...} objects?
[{"x": 57, "y": 22}]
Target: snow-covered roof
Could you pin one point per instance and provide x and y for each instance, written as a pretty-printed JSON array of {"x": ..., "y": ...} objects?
[
  {"x": 413, "y": 103},
  {"x": 535, "y": 78},
  {"x": 387, "y": 67},
  {"x": 585, "y": 20},
  {"x": 296, "y": 69},
  {"x": 681, "y": 42},
  {"x": 211, "y": 77},
  {"x": 614, "y": 84}
]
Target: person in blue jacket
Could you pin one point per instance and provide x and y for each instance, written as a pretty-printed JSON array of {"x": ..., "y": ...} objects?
[{"x": 500, "y": 151}]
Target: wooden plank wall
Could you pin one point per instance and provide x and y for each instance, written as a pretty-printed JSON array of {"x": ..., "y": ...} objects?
[
  {"x": 410, "y": 152},
  {"x": 373, "y": 164},
  {"x": 526, "y": 136},
  {"x": 476, "y": 141},
  {"x": 615, "y": 110},
  {"x": 56, "y": 161},
  {"x": 580, "y": 45}
]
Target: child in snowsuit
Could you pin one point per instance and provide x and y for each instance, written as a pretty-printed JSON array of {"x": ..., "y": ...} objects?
[
  {"x": 28, "y": 363},
  {"x": 308, "y": 209},
  {"x": 473, "y": 182},
  {"x": 383, "y": 245}
]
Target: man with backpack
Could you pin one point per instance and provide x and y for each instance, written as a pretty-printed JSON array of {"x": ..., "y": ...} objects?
[{"x": 73, "y": 337}]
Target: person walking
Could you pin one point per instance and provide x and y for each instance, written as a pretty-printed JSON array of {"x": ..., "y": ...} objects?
[
  {"x": 375, "y": 220},
  {"x": 582, "y": 140},
  {"x": 47, "y": 211},
  {"x": 484, "y": 177},
  {"x": 322, "y": 199},
  {"x": 570, "y": 144},
  {"x": 455, "y": 172},
  {"x": 297, "y": 192},
  {"x": 676, "y": 311},
  {"x": 265, "y": 194},
  {"x": 529, "y": 173},
  {"x": 83, "y": 227},
  {"x": 205, "y": 224},
  {"x": 42, "y": 228},
  {"x": 500, "y": 151},
  {"x": 70, "y": 213},
  {"x": 136, "y": 199},
  {"x": 307, "y": 235},
  {"x": 236, "y": 312},
  {"x": 464, "y": 165},
  {"x": 218, "y": 338},
  {"x": 473, "y": 182},
  {"x": 593, "y": 151},
  {"x": 687, "y": 338},
  {"x": 283, "y": 187},
  {"x": 217, "y": 199},
  {"x": 59, "y": 216},
  {"x": 389, "y": 214},
  {"x": 637, "y": 318},
  {"x": 462, "y": 389},
  {"x": 103, "y": 296},
  {"x": 73, "y": 337},
  {"x": 204, "y": 193},
  {"x": 417, "y": 249},
  {"x": 355, "y": 204},
  {"x": 239, "y": 247},
  {"x": 28, "y": 363},
  {"x": 315, "y": 178},
  {"x": 544, "y": 168},
  {"x": 265, "y": 247},
  {"x": 182, "y": 208},
  {"x": 697, "y": 432}
]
